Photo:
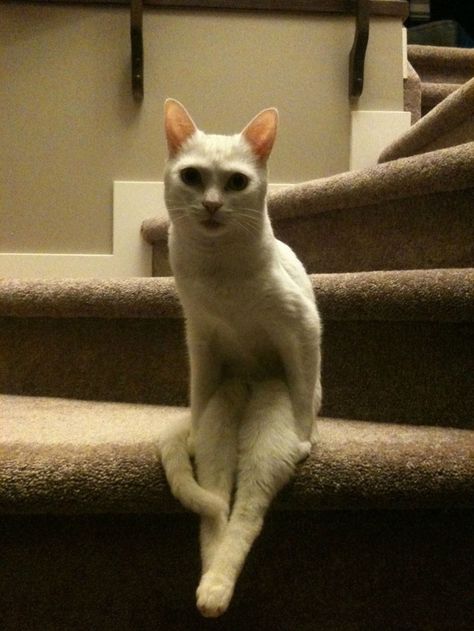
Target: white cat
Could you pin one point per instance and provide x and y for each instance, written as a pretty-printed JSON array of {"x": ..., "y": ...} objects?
[{"x": 253, "y": 336}]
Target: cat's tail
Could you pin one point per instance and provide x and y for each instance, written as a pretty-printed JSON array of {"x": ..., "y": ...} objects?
[{"x": 178, "y": 468}]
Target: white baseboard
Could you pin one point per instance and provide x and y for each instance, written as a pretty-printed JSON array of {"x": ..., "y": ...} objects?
[{"x": 131, "y": 256}]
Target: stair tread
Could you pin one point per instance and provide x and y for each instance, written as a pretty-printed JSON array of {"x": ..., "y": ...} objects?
[
  {"x": 420, "y": 295},
  {"x": 442, "y": 63},
  {"x": 454, "y": 111},
  {"x": 71, "y": 456},
  {"x": 442, "y": 170}
]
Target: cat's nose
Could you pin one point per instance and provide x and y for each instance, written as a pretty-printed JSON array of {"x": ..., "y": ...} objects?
[{"x": 212, "y": 206}]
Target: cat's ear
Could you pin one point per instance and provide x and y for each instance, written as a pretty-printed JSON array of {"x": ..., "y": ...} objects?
[
  {"x": 260, "y": 133},
  {"x": 179, "y": 126}
]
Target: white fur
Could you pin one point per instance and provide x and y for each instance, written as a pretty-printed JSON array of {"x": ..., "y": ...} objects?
[
  {"x": 174, "y": 451},
  {"x": 253, "y": 335}
]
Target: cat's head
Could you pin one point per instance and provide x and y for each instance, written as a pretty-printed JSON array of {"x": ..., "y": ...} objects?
[{"x": 217, "y": 184}]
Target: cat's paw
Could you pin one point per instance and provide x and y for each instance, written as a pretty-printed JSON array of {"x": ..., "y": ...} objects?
[
  {"x": 213, "y": 595},
  {"x": 304, "y": 449},
  {"x": 190, "y": 444},
  {"x": 314, "y": 435}
]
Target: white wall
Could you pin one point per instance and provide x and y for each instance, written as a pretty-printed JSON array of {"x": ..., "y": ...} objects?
[{"x": 70, "y": 127}]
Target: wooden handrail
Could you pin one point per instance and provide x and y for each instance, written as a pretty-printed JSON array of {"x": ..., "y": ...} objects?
[{"x": 392, "y": 8}]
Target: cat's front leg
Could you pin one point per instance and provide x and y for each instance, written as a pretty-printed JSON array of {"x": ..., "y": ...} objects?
[
  {"x": 268, "y": 452},
  {"x": 216, "y": 456},
  {"x": 300, "y": 352},
  {"x": 205, "y": 369},
  {"x": 191, "y": 442}
]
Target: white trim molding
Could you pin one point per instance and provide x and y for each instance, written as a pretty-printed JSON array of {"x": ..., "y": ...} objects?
[
  {"x": 372, "y": 132},
  {"x": 131, "y": 255}
]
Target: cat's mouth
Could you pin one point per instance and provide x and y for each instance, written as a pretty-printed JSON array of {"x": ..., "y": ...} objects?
[{"x": 211, "y": 224}]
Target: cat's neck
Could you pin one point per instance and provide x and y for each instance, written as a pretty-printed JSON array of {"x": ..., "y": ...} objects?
[{"x": 236, "y": 253}]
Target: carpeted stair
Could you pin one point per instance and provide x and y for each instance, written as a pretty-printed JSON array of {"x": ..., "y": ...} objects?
[
  {"x": 448, "y": 124},
  {"x": 441, "y": 70},
  {"x": 406, "y": 214},
  {"x": 91, "y": 371},
  {"x": 376, "y": 529}
]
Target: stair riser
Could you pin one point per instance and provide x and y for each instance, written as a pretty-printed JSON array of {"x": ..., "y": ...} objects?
[
  {"x": 411, "y": 372},
  {"x": 434, "y": 232},
  {"x": 135, "y": 360},
  {"x": 408, "y": 372},
  {"x": 431, "y": 231}
]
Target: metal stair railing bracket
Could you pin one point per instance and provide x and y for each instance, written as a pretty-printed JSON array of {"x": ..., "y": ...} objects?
[{"x": 359, "y": 47}]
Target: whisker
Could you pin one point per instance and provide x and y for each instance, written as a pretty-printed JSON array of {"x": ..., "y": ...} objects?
[
  {"x": 246, "y": 225},
  {"x": 250, "y": 219},
  {"x": 248, "y": 213},
  {"x": 241, "y": 225},
  {"x": 180, "y": 218},
  {"x": 250, "y": 210},
  {"x": 185, "y": 209},
  {"x": 182, "y": 208}
]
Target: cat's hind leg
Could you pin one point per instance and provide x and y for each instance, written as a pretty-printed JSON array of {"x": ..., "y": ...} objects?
[
  {"x": 216, "y": 456},
  {"x": 269, "y": 448}
]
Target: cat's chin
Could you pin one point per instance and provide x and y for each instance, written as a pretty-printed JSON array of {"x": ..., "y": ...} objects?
[{"x": 210, "y": 226}]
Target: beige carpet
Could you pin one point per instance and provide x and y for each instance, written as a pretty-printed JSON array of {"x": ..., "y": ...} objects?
[
  {"x": 441, "y": 70},
  {"x": 448, "y": 124}
]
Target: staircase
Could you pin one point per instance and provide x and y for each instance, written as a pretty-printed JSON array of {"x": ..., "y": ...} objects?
[
  {"x": 441, "y": 71},
  {"x": 376, "y": 529},
  {"x": 92, "y": 370}
]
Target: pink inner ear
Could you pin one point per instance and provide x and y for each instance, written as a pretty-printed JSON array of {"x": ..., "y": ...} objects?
[
  {"x": 260, "y": 133},
  {"x": 179, "y": 126}
]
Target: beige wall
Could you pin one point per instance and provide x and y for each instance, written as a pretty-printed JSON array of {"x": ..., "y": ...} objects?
[{"x": 69, "y": 126}]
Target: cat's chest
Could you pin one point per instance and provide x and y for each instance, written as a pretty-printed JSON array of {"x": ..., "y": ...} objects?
[
  {"x": 245, "y": 349},
  {"x": 236, "y": 324},
  {"x": 220, "y": 298},
  {"x": 237, "y": 318}
]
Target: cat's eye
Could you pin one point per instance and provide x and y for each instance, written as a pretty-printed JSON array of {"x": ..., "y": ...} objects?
[
  {"x": 237, "y": 182},
  {"x": 191, "y": 176}
]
